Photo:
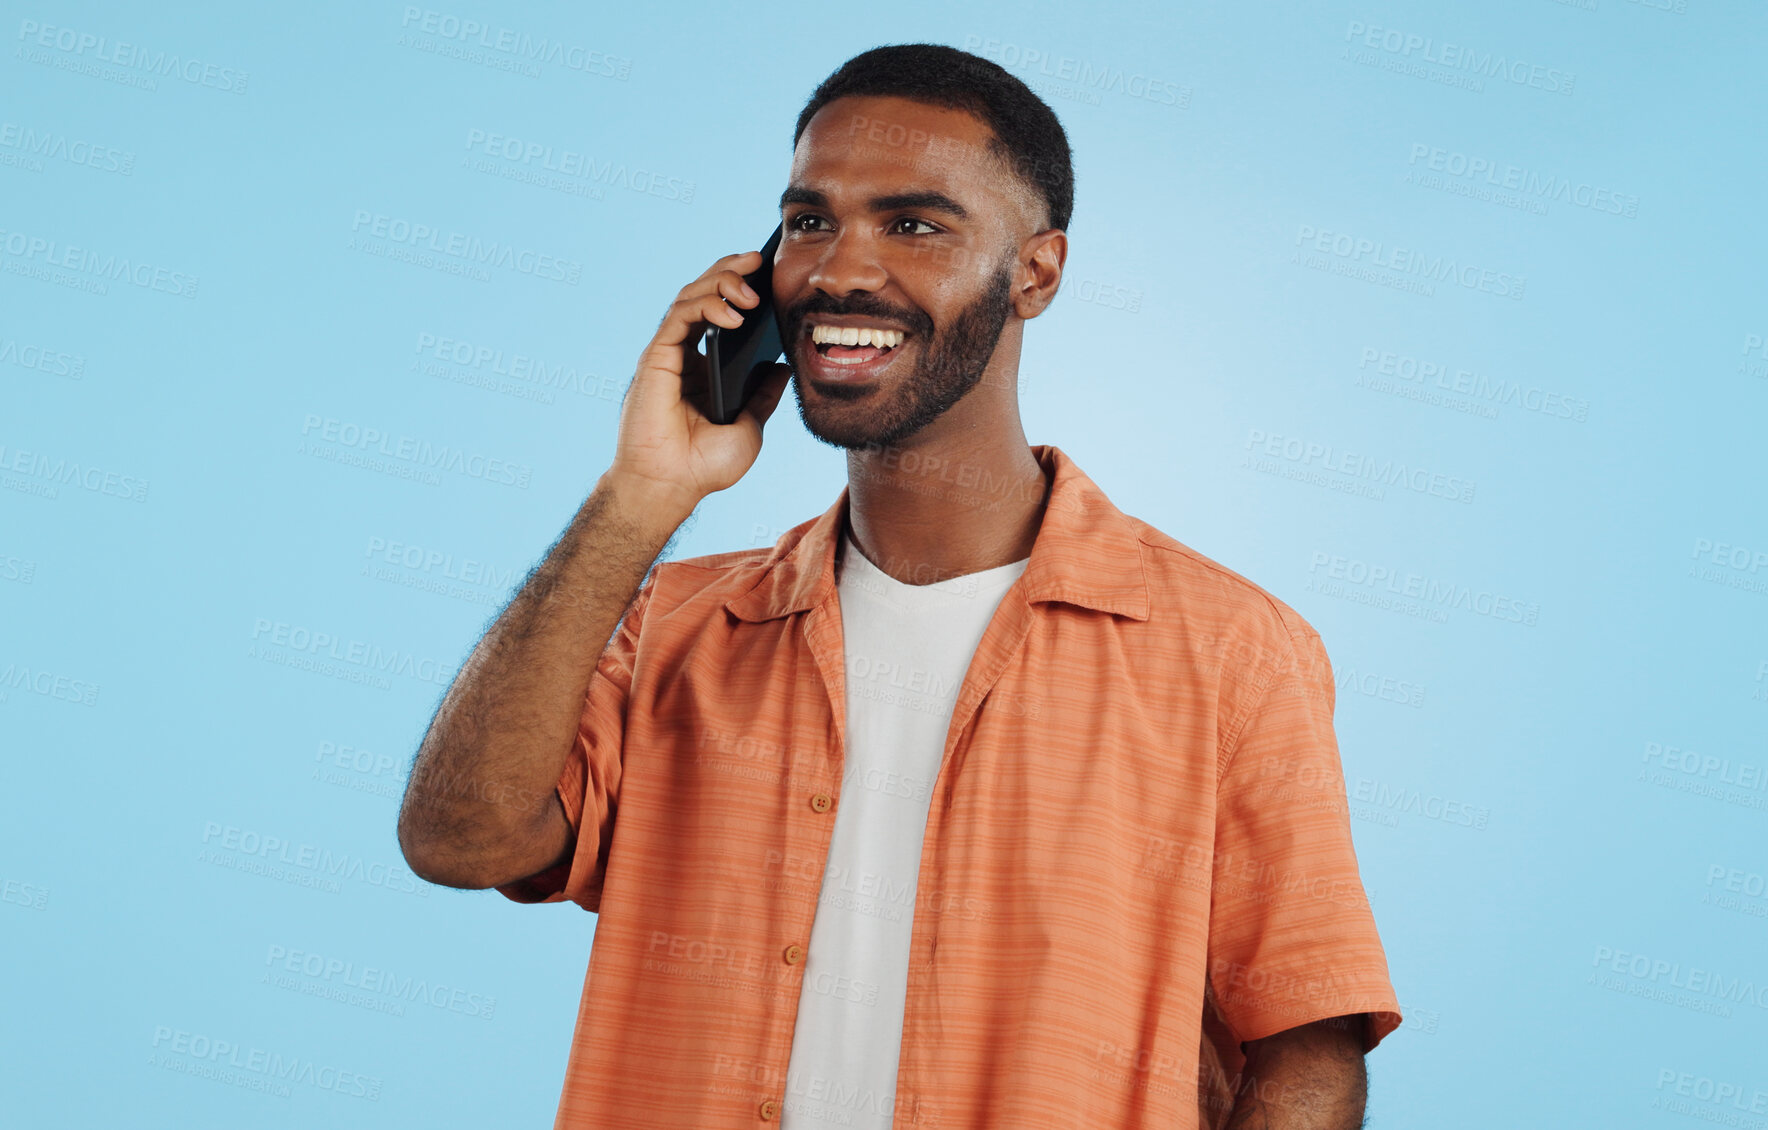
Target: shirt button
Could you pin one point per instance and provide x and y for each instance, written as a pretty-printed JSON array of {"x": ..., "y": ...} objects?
[
  {"x": 821, "y": 802},
  {"x": 769, "y": 1109},
  {"x": 794, "y": 954}
]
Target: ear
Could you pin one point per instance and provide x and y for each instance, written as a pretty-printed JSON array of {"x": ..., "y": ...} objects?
[{"x": 1043, "y": 258}]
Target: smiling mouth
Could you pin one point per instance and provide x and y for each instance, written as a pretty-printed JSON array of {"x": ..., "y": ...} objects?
[
  {"x": 851, "y": 354},
  {"x": 846, "y": 345}
]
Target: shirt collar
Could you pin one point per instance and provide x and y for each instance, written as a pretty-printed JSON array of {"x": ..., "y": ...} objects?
[{"x": 1086, "y": 553}]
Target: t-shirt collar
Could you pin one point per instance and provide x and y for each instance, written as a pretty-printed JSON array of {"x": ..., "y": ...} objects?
[{"x": 1086, "y": 553}]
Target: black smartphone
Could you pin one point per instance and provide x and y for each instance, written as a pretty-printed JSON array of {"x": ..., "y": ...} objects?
[{"x": 738, "y": 359}]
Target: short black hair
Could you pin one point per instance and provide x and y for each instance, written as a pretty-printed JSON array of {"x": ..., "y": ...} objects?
[{"x": 1026, "y": 133}]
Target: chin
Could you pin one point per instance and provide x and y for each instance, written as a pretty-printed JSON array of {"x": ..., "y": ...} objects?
[
  {"x": 846, "y": 426},
  {"x": 851, "y": 435}
]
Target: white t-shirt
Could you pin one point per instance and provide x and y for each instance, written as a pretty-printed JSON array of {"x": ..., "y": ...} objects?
[{"x": 907, "y": 650}]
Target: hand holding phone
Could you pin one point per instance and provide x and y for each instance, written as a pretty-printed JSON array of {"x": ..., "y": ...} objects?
[
  {"x": 738, "y": 360},
  {"x": 667, "y": 442}
]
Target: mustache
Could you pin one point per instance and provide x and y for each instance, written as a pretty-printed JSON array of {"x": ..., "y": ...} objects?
[{"x": 859, "y": 305}]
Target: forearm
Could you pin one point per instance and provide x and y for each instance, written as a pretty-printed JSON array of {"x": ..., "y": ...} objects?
[
  {"x": 1312, "y": 1078},
  {"x": 485, "y": 772}
]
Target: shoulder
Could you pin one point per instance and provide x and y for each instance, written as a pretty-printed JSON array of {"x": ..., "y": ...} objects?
[
  {"x": 696, "y": 587},
  {"x": 711, "y": 578},
  {"x": 1189, "y": 587}
]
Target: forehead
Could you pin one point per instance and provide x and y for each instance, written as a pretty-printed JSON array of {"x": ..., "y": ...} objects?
[{"x": 863, "y": 143}]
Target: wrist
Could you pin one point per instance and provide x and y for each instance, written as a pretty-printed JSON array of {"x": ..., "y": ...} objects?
[{"x": 651, "y": 505}]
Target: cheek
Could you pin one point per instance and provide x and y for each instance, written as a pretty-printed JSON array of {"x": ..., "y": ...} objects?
[
  {"x": 945, "y": 303},
  {"x": 786, "y": 285},
  {"x": 950, "y": 287},
  {"x": 938, "y": 293},
  {"x": 791, "y": 272}
]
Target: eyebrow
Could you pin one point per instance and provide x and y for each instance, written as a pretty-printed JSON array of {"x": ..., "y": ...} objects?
[{"x": 919, "y": 199}]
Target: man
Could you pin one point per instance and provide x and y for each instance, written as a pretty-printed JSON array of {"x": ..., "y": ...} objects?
[{"x": 973, "y": 802}]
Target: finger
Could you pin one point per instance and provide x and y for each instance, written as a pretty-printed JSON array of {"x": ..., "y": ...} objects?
[
  {"x": 729, "y": 285},
  {"x": 767, "y": 394},
  {"x": 732, "y": 261},
  {"x": 729, "y": 267},
  {"x": 694, "y": 379},
  {"x": 685, "y": 314}
]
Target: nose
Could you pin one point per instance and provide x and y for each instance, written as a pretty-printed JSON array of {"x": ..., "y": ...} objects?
[{"x": 849, "y": 263}]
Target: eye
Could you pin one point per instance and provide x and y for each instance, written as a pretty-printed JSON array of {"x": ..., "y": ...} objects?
[
  {"x": 897, "y": 224},
  {"x": 796, "y": 223}
]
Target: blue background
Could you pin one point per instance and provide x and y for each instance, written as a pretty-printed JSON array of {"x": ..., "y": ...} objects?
[{"x": 1225, "y": 312}]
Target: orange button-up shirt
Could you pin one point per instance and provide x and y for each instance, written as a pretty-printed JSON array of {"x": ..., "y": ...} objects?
[{"x": 1137, "y": 855}]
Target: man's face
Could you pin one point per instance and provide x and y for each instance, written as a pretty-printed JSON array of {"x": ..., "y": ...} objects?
[{"x": 898, "y": 220}]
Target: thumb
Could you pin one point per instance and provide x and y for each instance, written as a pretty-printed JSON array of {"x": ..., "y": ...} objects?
[{"x": 768, "y": 393}]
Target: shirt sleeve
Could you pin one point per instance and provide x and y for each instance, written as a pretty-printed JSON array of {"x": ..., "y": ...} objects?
[
  {"x": 1292, "y": 937},
  {"x": 589, "y": 784}
]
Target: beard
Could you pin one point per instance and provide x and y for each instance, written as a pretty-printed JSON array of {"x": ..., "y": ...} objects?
[{"x": 948, "y": 367}]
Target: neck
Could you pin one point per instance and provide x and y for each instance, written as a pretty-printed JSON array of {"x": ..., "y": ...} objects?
[{"x": 940, "y": 507}]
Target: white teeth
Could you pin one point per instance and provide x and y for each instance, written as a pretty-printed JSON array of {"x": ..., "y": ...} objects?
[{"x": 838, "y": 335}]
